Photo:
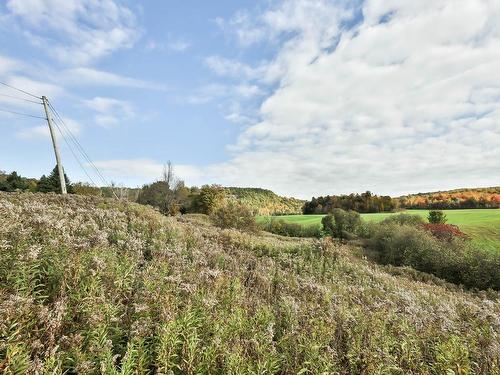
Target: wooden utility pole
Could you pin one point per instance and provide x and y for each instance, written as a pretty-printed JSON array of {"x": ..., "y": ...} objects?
[{"x": 56, "y": 148}]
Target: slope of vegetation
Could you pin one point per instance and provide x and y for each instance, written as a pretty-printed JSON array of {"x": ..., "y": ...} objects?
[
  {"x": 90, "y": 286},
  {"x": 266, "y": 202}
]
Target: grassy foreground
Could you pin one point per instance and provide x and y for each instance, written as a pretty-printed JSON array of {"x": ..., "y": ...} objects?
[
  {"x": 482, "y": 225},
  {"x": 96, "y": 286}
]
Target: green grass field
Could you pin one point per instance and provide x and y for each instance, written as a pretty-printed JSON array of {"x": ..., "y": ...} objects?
[{"x": 482, "y": 225}]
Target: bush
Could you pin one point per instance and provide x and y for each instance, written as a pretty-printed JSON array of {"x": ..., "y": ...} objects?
[
  {"x": 445, "y": 232},
  {"x": 456, "y": 260},
  {"x": 234, "y": 215},
  {"x": 281, "y": 227},
  {"x": 342, "y": 224},
  {"x": 437, "y": 217},
  {"x": 404, "y": 219}
]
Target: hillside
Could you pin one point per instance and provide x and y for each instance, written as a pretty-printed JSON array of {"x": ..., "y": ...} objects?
[
  {"x": 459, "y": 198},
  {"x": 266, "y": 202},
  {"x": 90, "y": 285}
]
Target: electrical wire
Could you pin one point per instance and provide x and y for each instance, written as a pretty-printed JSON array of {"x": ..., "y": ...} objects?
[
  {"x": 20, "y": 90},
  {"x": 77, "y": 143},
  {"x": 74, "y": 155},
  {"x": 18, "y": 98},
  {"x": 22, "y": 114},
  {"x": 79, "y": 148}
]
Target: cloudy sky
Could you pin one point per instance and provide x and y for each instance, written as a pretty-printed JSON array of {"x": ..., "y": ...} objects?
[{"x": 305, "y": 97}]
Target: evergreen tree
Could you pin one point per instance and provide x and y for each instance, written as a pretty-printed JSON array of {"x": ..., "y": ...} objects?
[
  {"x": 437, "y": 217},
  {"x": 52, "y": 184}
]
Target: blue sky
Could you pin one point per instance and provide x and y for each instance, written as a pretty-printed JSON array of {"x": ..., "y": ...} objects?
[{"x": 302, "y": 97}]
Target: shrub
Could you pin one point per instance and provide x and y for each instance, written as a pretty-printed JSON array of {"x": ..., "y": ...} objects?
[
  {"x": 444, "y": 232},
  {"x": 437, "y": 217},
  {"x": 456, "y": 260},
  {"x": 367, "y": 229},
  {"x": 401, "y": 244},
  {"x": 341, "y": 224},
  {"x": 404, "y": 219},
  {"x": 234, "y": 215},
  {"x": 281, "y": 227}
]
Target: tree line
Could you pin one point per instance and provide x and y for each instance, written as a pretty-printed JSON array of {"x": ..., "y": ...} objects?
[
  {"x": 368, "y": 202},
  {"x": 365, "y": 202},
  {"x": 45, "y": 184},
  {"x": 454, "y": 199},
  {"x": 171, "y": 196},
  {"x": 168, "y": 194}
]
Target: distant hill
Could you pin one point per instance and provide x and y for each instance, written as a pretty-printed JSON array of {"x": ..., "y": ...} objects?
[
  {"x": 266, "y": 202},
  {"x": 488, "y": 197}
]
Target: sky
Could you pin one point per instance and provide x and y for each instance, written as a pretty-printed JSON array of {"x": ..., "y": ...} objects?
[{"x": 303, "y": 97}]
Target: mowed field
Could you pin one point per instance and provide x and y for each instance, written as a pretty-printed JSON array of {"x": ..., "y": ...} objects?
[{"x": 482, "y": 225}]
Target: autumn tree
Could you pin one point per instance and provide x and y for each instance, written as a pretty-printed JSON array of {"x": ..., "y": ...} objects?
[{"x": 210, "y": 198}]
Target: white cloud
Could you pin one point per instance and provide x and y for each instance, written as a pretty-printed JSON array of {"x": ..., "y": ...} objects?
[
  {"x": 243, "y": 25},
  {"x": 299, "y": 29},
  {"x": 102, "y": 104},
  {"x": 208, "y": 93},
  {"x": 84, "y": 30},
  {"x": 178, "y": 45},
  {"x": 234, "y": 101},
  {"x": 211, "y": 92},
  {"x": 110, "y": 111},
  {"x": 34, "y": 132},
  {"x": 239, "y": 118},
  {"x": 175, "y": 44},
  {"x": 42, "y": 131},
  {"x": 7, "y": 65},
  {"x": 35, "y": 87},
  {"x": 248, "y": 91},
  {"x": 232, "y": 68},
  {"x": 93, "y": 77},
  {"x": 396, "y": 106}
]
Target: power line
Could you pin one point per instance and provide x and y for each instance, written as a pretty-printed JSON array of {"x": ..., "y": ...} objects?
[
  {"x": 74, "y": 154},
  {"x": 20, "y": 90},
  {"x": 22, "y": 114},
  {"x": 75, "y": 141},
  {"x": 79, "y": 148},
  {"x": 18, "y": 98}
]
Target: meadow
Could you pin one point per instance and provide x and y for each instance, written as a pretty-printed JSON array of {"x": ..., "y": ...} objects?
[
  {"x": 96, "y": 286},
  {"x": 482, "y": 225}
]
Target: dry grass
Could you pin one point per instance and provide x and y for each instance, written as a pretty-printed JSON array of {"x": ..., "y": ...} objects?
[{"x": 90, "y": 286}]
